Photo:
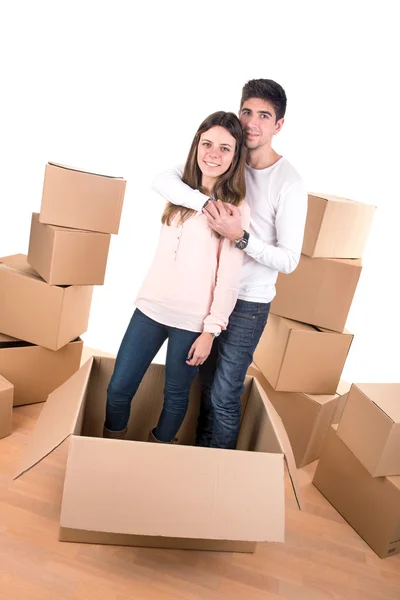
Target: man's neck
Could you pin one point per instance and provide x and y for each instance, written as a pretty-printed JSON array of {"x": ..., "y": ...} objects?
[{"x": 262, "y": 158}]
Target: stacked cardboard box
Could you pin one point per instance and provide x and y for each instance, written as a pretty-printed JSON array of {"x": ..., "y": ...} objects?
[
  {"x": 301, "y": 355},
  {"x": 359, "y": 468},
  {"x": 47, "y": 294}
]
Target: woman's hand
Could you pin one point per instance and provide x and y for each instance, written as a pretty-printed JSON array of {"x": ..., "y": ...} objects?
[{"x": 200, "y": 349}]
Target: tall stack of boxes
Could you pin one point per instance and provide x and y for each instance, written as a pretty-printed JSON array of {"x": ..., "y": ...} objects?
[
  {"x": 300, "y": 357},
  {"x": 46, "y": 295},
  {"x": 359, "y": 468}
]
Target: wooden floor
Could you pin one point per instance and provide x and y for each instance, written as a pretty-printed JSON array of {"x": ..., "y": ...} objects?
[{"x": 323, "y": 558}]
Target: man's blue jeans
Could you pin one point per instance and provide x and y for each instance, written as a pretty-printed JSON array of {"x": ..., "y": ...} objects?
[
  {"x": 143, "y": 339},
  {"x": 223, "y": 374}
]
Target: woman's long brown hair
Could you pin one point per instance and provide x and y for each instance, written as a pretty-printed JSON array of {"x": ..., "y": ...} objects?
[{"x": 230, "y": 186}]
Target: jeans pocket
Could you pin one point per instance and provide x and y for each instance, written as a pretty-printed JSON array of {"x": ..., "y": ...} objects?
[
  {"x": 244, "y": 315},
  {"x": 241, "y": 329}
]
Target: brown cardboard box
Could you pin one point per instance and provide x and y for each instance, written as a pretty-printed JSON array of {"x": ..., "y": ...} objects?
[
  {"x": 319, "y": 292},
  {"x": 64, "y": 256},
  {"x": 336, "y": 227},
  {"x": 36, "y": 312},
  {"x": 343, "y": 391},
  {"x": 296, "y": 357},
  {"x": 81, "y": 200},
  {"x": 371, "y": 505},
  {"x": 305, "y": 417},
  {"x": 370, "y": 426},
  {"x": 36, "y": 371},
  {"x": 167, "y": 495},
  {"x": 6, "y": 404}
]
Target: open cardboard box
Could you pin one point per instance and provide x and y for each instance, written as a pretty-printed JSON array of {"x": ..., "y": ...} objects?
[{"x": 174, "y": 496}]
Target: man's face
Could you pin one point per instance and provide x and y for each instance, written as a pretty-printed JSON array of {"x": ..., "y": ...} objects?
[{"x": 258, "y": 119}]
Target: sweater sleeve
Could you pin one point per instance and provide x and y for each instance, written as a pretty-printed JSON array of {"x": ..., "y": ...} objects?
[
  {"x": 170, "y": 186},
  {"x": 290, "y": 223},
  {"x": 228, "y": 279}
]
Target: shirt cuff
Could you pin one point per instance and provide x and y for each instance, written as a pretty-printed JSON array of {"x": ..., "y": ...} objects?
[
  {"x": 254, "y": 246},
  {"x": 212, "y": 329}
]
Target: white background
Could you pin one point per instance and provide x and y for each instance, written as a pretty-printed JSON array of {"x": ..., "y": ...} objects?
[{"x": 121, "y": 87}]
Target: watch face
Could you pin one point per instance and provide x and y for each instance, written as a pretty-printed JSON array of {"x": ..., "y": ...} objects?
[{"x": 241, "y": 244}]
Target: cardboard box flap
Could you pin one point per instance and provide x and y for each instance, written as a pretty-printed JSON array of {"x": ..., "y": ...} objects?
[
  {"x": 53, "y": 164},
  {"x": 19, "y": 263},
  {"x": 57, "y": 420},
  {"x": 283, "y": 439},
  {"x": 386, "y": 396}
]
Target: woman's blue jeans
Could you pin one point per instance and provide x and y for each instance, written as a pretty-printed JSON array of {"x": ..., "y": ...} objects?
[{"x": 143, "y": 339}]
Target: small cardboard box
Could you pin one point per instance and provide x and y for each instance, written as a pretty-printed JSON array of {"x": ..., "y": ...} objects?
[
  {"x": 320, "y": 292},
  {"x": 64, "y": 256},
  {"x": 81, "y": 200},
  {"x": 370, "y": 426},
  {"x": 371, "y": 505},
  {"x": 36, "y": 312},
  {"x": 295, "y": 357},
  {"x": 35, "y": 371},
  {"x": 130, "y": 492},
  {"x": 305, "y": 417},
  {"x": 336, "y": 227},
  {"x": 6, "y": 404}
]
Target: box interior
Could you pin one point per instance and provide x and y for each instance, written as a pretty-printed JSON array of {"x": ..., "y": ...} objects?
[{"x": 256, "y": 434}]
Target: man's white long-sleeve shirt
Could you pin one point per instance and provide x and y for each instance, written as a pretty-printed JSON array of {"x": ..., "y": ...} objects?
[{"x": 278, "y": 206}]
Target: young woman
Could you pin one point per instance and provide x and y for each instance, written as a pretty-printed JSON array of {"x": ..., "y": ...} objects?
[{"x": 191, "y": 287}]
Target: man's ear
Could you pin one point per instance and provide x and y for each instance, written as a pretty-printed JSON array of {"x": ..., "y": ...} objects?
[{"x": 279, "y": 125}]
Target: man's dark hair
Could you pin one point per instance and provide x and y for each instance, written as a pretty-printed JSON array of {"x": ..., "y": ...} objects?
[{"x": 268, "y": 90}]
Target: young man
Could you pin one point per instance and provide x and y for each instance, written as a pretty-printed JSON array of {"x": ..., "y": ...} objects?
[{"x": 278, "y": 203}]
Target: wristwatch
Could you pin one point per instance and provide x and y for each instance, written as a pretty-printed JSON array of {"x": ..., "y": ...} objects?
[
  {"x": 242, "y": 242},
  {"x": 215, "y": 334}
]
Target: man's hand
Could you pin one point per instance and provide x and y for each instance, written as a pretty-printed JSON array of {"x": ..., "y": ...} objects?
[
  {"x": 225, "y": 219},
  {"x": 200, "y": 350}
]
